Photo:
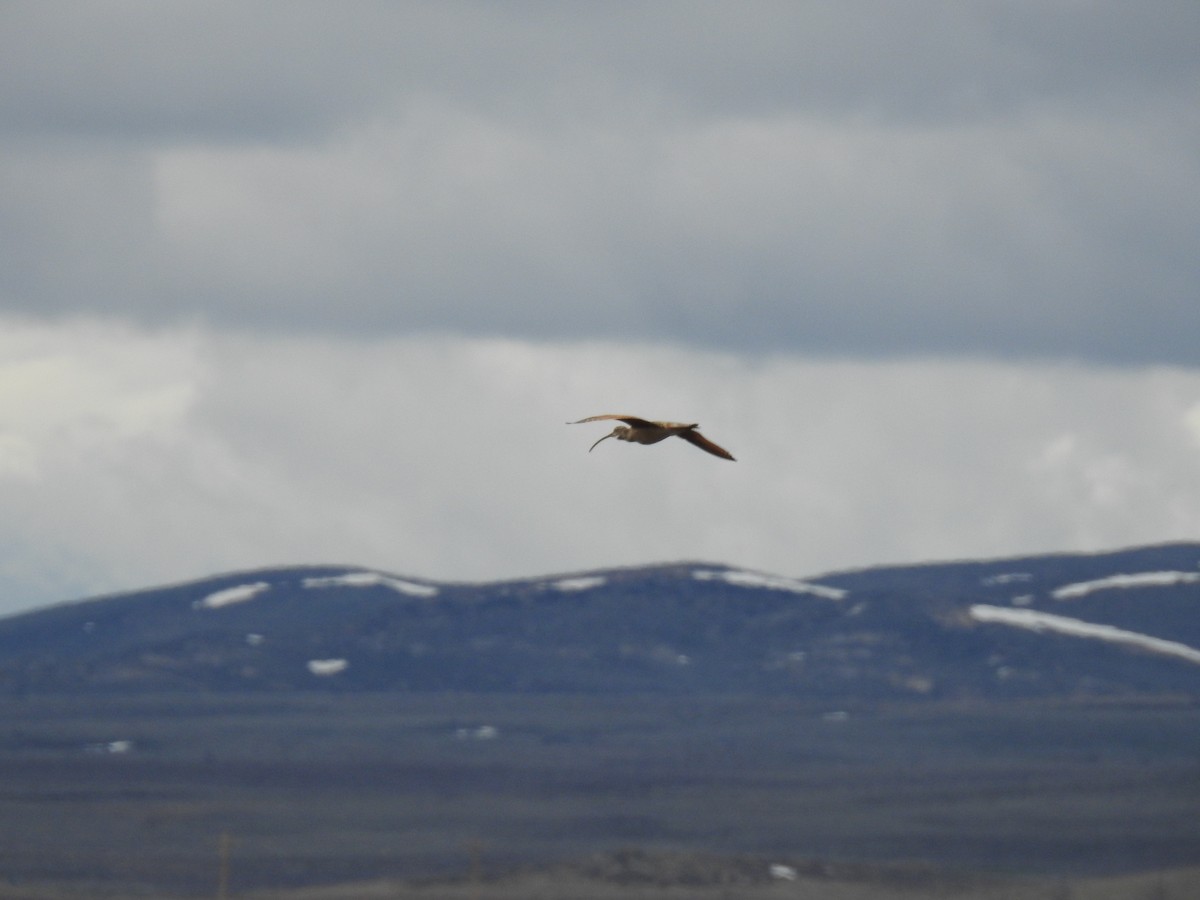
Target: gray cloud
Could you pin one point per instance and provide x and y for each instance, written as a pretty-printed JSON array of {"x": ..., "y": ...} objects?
[
  {"x": 207, "y": 70},
  {"x": 1005, "y": 180}
]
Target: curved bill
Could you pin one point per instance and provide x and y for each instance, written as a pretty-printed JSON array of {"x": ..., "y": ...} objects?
[{"x": 593, "y": 447}]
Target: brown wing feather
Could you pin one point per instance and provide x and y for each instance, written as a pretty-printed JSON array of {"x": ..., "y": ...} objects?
[
  {"x": 628, "y": 420},
  {"x": 696, "y": 439}
]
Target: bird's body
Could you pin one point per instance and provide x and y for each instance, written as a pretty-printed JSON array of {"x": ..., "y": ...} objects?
[{"x": 643, "y": 431}]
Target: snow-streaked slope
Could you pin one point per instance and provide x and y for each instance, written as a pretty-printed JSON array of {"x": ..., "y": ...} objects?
[
  {"x": 1040, "y": 621},
  {"x": 1134, "y": 580},
  {"x": 239, "y": 594},
  {"x": 744, "y": 578},
  {"x": 579, "y": 583},
  {"x": 373, "y": 579}
]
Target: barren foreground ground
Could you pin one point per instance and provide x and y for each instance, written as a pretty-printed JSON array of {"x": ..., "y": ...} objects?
[{"x": 449, "y": 796}]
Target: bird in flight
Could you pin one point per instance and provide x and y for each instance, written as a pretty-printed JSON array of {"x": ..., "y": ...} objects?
[{"x": 643, "y": 431}]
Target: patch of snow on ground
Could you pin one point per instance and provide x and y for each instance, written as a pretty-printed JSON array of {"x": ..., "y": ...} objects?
[
  {"x": 239, "y": 594},
  {"x": 482, "y": 733},
  {"x": 1039, "y": 621},
  {"x": 1005, "y": 578},
  {"x": 1139, "y": 579},
  {"x": 582, "y": 583},
  {"x": 327, "y": 666},
  {"x": 742, "y": 578},
  {"x": 117, "y": 747},
  {"x": 373, "y": 579}
]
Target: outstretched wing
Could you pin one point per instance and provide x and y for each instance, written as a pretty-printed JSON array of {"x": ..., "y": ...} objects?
[
  {"x": 696, "y": 439},
  {"x": 628, "y": 420}
]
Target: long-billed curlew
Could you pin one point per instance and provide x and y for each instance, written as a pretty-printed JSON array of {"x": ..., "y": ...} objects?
[{"x": 643, "y": 431}]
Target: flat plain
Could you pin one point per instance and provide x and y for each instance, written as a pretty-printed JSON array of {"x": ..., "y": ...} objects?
[{"x": 459, "y": 795}]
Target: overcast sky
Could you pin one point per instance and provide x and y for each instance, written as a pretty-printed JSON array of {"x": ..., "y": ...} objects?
[{"x": 305, "y": 283}]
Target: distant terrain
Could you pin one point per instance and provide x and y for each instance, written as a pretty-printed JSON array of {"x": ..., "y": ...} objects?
[
  {"x": 1017, "y": 728},
  {"x": 1115, "y": 624}
]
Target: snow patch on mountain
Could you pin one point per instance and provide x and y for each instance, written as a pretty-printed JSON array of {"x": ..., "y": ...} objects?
[
  {"x": 580, "y": 583},
  {"x": 1005, "y": 578},
  {"x": 373, "y": 579},
  {"x": 325, "y": 667},
  {"x": 743, "y": 578},
  {"x": 1137, "y": 579},
  {"x": 1040, "y": 621},
  {"x": 239, "y": 594}
]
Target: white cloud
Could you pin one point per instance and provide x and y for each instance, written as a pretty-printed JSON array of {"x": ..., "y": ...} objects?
[
  {"x": 187, "y": 453},
  {"x": 1191, "y": 421},
  {"x": 87, "y": 388}
]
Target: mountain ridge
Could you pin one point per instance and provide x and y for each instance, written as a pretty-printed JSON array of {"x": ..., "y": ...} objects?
[{"x": 1119, "y": 622}]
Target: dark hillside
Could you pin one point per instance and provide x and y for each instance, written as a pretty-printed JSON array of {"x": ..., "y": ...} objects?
[{"x": 1132, "y": 627}]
